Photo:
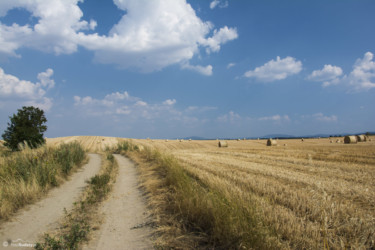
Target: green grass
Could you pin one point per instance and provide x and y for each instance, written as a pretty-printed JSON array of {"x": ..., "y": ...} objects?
[{"x": 26, "y": 175}]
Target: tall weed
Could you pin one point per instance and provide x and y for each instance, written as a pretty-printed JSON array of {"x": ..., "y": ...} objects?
[
  {"x": 25, "y": 175},
  {"x": 203, "y": 213}
]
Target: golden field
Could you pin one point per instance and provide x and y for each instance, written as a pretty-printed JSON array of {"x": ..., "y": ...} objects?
[{"x": 310, "y": 194}]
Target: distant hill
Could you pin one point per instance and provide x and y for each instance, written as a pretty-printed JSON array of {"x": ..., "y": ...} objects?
[
  {"x": 196, "y": 138},
  {"x": 280, "y": 136}
]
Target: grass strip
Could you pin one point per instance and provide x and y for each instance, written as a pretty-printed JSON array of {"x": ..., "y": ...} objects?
[
  {"x": 77, "y": 224},
  {"x": 192, "y": 214}
]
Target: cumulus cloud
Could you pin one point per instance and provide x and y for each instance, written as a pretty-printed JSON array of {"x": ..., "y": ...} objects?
[
  {"x": 26, "y": 92},
  {"x": 329, "y": 75},
  {"x": 323, "y": 118},
  {"x": 230, "y": 65},
  {"x": 150, "y": 36},
  {"x": 56, "y": 30},
  {"x": 276, "y": 70},
  {"x": 169, "y": 102},
  {"x": 123, "y": 106},
  {"x": 231, "y": 117},
  {"x": 108, "y": 101},
  {"x": 363, "y": 75},
  {"x": 219, "y": 37},
  {"x": 207, "y": 71},
  {"x": 361, "y": 78},
  {"x": 218, "y": 3},
  {"x": 275, "y": 118}
]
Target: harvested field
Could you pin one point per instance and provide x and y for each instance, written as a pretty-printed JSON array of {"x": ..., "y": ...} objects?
[
  {"x": 89, "y": 143},
  {"x": 310, "y": 194}
]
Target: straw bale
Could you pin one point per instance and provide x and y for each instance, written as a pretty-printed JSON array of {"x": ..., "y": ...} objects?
[{"x": 350, "y": 139}]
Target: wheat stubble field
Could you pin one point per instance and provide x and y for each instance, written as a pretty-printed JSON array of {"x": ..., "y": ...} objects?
[{"x": 311, "y": 194}]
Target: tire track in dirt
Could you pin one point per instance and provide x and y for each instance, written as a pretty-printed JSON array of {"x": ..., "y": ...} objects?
[
  {"x": 32, "y": 221},
  {"x": 125, "y": 214}
]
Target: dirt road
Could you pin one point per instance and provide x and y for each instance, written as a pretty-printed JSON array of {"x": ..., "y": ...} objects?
[
  {"x": 30, "y": 223},
  {"x": 125, "y": 214}
]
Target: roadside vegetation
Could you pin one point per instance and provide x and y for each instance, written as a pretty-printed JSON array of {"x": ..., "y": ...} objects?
[
  {"x": 76, "y": 226},
  {"x": 189, "y": 213},
  {"x": 27, "y": 174},
  {"x": 310, "y": 194}
]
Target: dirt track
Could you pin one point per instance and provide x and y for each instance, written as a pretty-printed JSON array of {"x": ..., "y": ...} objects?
[
  {"x": 125, "y": 214},
  {"x": 31, "y": 222}
]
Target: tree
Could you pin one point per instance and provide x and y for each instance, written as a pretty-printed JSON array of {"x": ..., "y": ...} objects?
[{"x": 25, "y": 127}]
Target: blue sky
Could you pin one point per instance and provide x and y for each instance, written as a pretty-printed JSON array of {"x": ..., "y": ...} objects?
[{"x": 176, "y": 68}]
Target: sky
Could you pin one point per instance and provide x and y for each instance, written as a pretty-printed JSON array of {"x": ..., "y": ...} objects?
[{"x": 181, "y": 68}]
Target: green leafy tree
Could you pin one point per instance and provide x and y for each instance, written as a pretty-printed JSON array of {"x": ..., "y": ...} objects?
[{"x": 25, "y": 127}]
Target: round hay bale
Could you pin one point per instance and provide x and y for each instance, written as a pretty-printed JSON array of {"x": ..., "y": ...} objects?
[
  {"x": 238, "y": 139},
  {"x": 189, "y": 139},
  {"x": 302, "y": 139},
  {"x": 166, "y": 140},
  {"x": 361, "y": 138},
  {"x": 330, "y": 141},
  {"x": 338, "y": 141},
  {"x": 271, "y": 142},
  {"x": 223, "y": 144},
  {"x": 350, "y": 139}
]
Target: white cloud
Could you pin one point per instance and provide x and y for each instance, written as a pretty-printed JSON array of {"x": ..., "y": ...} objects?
[
  {"x": 276, "y": 70},
  {"x": 222, "y": 36},
  {"x": 196, "y": 109},
  {"x": 56, "y": 30},
  {"x": 275, "y": 118},
  {"x": 108, "y": 101},
  {"x": 216, "y": 3},
  {"x": 134, "y": 110},
  {"x": 169, "y": 102},
  {"x": 207, "y": 71},
  {"x": 141, "y": 103},
  {"x": 363, "y": 75},
  {"x": 150, "y": 36},
  {"x": 323, "y": 118},
  {"x": 231, "y": 117},
  {"x": 361, "y": 78},
  {"x": 26, "y": 92},
  {"x": 45, "y": 79},
  {"x": 329, "y": 75},
  {"x": 230, "y": 65}
]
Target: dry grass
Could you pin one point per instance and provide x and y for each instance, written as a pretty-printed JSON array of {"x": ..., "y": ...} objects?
[
  {"x": 27, "y": 175},
  {"x": 310, "y": 194}
]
